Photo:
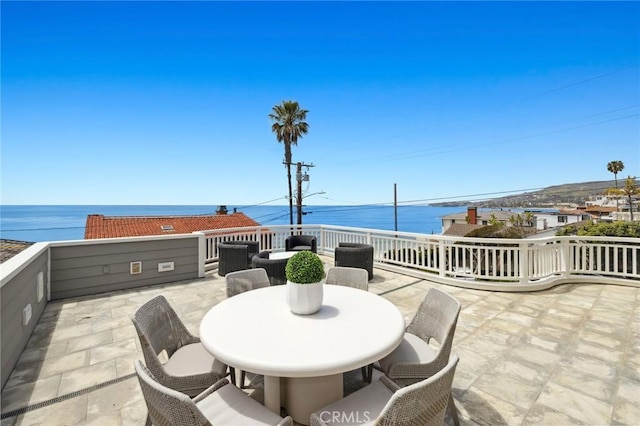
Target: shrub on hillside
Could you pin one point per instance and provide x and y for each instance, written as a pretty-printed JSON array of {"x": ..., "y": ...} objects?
[
  {"x": 605, "y": 229},
  {"x": 501, "y": 231}
]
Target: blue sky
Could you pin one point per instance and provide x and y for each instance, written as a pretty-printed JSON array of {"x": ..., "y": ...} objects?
[{"x": 168, "y": 102}]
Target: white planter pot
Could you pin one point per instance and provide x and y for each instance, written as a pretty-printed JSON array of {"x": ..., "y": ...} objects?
[{"x": 304, "y": 299}]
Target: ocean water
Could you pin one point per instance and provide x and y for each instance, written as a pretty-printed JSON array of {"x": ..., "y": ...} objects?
[{"x": 60, "y": 223}]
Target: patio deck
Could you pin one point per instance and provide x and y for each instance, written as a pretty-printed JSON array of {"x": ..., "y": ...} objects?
[{"x": 569, "y": 355}]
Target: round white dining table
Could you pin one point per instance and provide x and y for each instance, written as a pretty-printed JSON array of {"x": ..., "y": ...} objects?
[{"x": 302, "y": 356}]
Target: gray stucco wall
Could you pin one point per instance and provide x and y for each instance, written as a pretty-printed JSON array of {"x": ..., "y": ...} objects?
[
  {"x": 98, "y": 266},
  {"x": 17, "y": 292}
]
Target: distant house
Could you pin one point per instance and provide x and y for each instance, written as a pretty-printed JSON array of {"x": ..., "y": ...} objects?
[
  {"x": 99, "y": 226},
  {"x": 473, "y": 219},
  {"x": 547, "y": 220}
]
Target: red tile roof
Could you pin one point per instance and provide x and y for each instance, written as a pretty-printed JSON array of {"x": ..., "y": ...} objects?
[{"x": 99, "y": 226}]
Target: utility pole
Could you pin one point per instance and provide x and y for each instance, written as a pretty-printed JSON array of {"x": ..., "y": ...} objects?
[{"x": 299, "y": 178}]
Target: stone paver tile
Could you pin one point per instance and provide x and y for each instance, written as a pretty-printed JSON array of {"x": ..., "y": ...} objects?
[
  {"x": 515, "y": 391},
  {"x": 485, "y": 409},
  {"x": 471, "y": 321},
  {"x": 558, "y": 323},
  {"x": 86, "y": 377},
  {"x": 583, "y": 302},
  {"x": 529, "y": 308},
  {"x": 134, "y": 414},
  {"x": 123, "y": 333},
  {"x": 577, "y": 380},
  {"x": 590, "y": 365},
  {"x": 543, "y": 343},
  {"x": 500, "y": 299},
  {"x": 69, "y": 412},
  {"x": 64, "y": 333},
  {"x": 107, "y": 420},
  {"x": 112, "y": 351},
  {"x": 534, "y": 355},
  {"x": 543, "y": 415},
  {"x": 111, "y": 324},
  {"x": 505, "y": 326},
  {"x": 626, "y": 411},
  {"x": 483, "y": 309},
  {"x": 490, "y": 345},
  {"x": 521, "y": 372},
  {"x": 610, "y": 341},
  {"x": 576, "y": 405},
  {"x": 124, "y": 364},
  {"x": 566, "y": 313},
  {"x": 42, "y": 351},
  {"x": 610, "y": 355},
  {"x": 516, "y": 318},
  {"x": 111, "y": 399},
  {"x": 30, "y": 393},
  {"x": 64, "y": 363},
  {"x": 86, "y": 342},
  {"x": 602, "y": 329},
  {"x": 629, "y": 389},
  {"x": 470, "y": 361},
  {"x": 462, "y": 380}
]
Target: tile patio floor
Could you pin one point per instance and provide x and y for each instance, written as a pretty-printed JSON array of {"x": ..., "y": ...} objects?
[{"x": 570, "y": 355}]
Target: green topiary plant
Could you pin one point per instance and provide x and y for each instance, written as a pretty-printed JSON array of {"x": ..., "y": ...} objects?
[{"x": 304, "y": 268}]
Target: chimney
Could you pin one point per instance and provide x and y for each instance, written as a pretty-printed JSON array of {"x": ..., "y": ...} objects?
[
  {"x": 222, "y": 210},
  {"x": 472, "y": 215}
]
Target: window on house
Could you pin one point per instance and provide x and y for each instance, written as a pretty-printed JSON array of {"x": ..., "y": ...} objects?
[{"x": 562, "y": 219}]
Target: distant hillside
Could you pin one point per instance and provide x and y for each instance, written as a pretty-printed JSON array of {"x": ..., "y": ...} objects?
[{"x": 570, "y": 193}]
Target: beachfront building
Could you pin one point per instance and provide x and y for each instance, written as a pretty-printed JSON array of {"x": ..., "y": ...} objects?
[
  {"x": 557, "y": 219},
  {"x": 474, "y": 218},
  {"x": 100, "y": 226}
]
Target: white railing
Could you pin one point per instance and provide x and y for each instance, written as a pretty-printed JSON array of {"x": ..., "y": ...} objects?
[{"x": 488, "y": 263}]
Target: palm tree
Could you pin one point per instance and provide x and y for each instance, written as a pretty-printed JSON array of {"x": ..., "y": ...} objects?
[
  {"x": 289, "y": 125},
  {"x": 631, "y": 190},
  {"x": 615, "y": 167}
]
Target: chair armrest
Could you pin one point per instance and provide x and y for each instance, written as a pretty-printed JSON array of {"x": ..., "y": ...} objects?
[
  {"x": 287, "y": 421},
  {"x": 211, "y": 389},
  {"x": 390, "y": 384}
]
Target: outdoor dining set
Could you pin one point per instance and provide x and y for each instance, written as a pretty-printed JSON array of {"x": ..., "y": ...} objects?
[{"x": 251, "y": 339}]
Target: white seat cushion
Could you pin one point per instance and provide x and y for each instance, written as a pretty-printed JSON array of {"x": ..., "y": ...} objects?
[
  {"x": 359, "y": 408},
  {"x": 231, "y": 406},
  {"x": 412, "y": 349},
  {"x": 193, "y": 359}
]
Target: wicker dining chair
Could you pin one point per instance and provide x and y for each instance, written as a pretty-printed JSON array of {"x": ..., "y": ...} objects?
[
  {"x": 415, "y": 359},
  {"x": 384, "y": 403},
  {"x": 238, "y": 282},
  {"x": 250, "y": 279},
  {"x": 356, "y": 278},
  {"x": 190, "y": 368},
  {"x": 348, "y": 276},
  {"x": 220, "y": 404}
]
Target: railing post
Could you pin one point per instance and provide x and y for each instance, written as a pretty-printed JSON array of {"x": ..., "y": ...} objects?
[
  {"x": 441, "y": 258},
  {"x": 524, "y": 263},
  {"x": 202, "y": 253},
  {"x": 565, "y": 253}
]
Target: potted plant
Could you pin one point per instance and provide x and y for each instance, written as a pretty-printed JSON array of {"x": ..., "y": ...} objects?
[{"x": 305, "y": 274}]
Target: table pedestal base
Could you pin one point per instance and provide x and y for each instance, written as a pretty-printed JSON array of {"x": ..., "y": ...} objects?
[{"x": 302, "y": 396}]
